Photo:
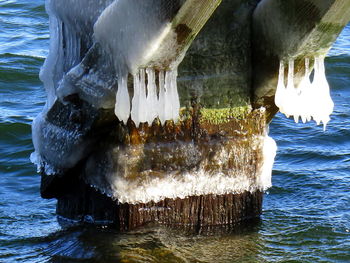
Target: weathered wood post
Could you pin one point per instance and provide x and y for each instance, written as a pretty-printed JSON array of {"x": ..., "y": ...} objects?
[{"x": 206, "y": 165}]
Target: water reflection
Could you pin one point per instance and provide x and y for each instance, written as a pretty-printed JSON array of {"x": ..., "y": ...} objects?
[{"x": 156, "y": 244}]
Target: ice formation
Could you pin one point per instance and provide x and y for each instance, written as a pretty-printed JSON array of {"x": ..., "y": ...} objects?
[
  {"x": 93, "y": 52},
  {"x": 150, "y": 100},
  {"x": 54, "y": 60},
  {"x": 195, "y": 183},
  {"x": 122, "y": 105},
  {"x": 307, "y": 100},
  {"x": 56, "y": 148},
  {"x": 182, "y": 184},
  {"x": 269, "y": 154},
  {"x": 137, "y": 47}
]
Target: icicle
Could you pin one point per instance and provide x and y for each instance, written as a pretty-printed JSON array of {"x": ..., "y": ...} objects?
[
  {"x": 151, "y": 95},
  {"x": 143, "y": 99},
  {"x": 161, "y": 98},
  {"x": 289, "y": 102},
  {"x": 314, "y": 93},
  {"x": 328, "y": 104},
  {"x": 309, "y": 100},
  {"x": 174, "y": 96},
  {"x": 135, "y": 111},
  {"x": 166, "y": 106},
  {"x": 304, "y": 91},
  {"x": 122, "y": 104},
  {"x": 281, "y": 89},
  {"x": 168, "y": 97},
  {"x": 323, "y": 102}
]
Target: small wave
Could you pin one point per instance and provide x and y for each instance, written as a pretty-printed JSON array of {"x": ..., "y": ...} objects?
[{"x": 22, "y": 57}]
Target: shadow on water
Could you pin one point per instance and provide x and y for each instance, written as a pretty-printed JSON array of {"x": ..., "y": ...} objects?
[{"x": 154, "y": 243}]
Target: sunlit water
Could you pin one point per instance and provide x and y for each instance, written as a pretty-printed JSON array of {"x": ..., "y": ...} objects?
[{"x": 306, "y": 214}]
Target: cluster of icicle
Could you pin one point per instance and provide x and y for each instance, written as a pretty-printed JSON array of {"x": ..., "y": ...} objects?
[
  {"x": 150, "y": 100},
  {"x": 307, "y": 100}
]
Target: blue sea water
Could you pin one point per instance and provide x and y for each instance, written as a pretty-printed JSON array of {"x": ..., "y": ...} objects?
[{"x": 306, "y": 214}]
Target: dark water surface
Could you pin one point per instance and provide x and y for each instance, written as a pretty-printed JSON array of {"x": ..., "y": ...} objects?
[{"x": 306, "y": 214}]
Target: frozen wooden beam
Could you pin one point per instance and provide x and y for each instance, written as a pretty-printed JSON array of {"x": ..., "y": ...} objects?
[{"x": 291, "y": 29}]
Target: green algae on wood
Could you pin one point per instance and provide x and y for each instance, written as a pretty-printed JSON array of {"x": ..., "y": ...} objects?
[{"x": 224, "y": 115}]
